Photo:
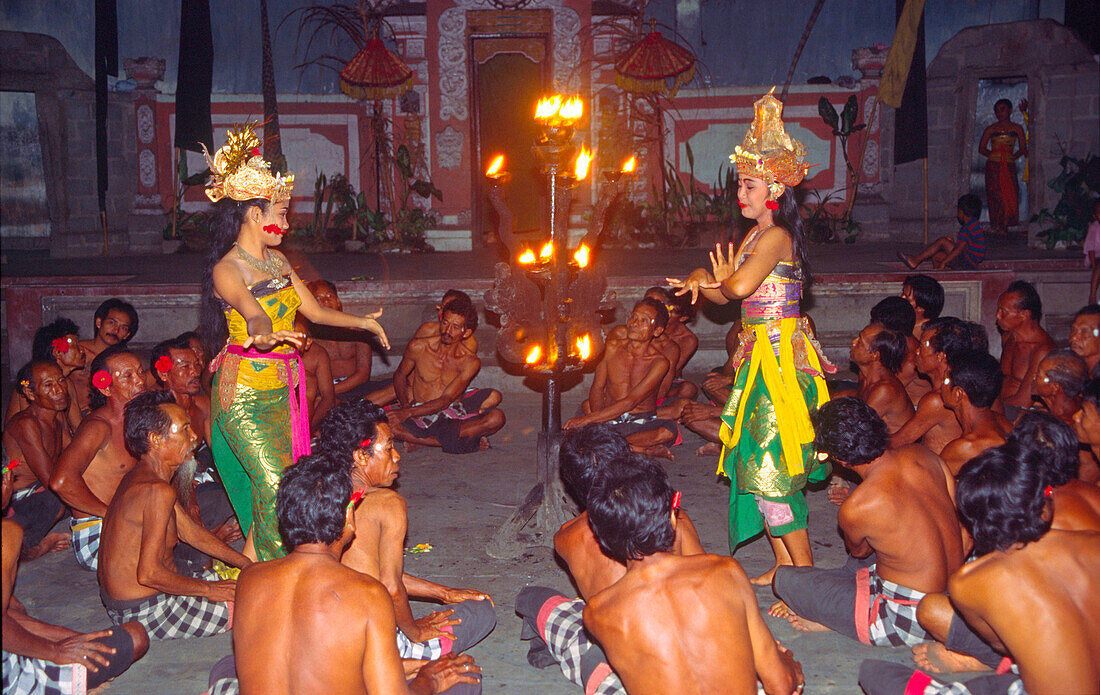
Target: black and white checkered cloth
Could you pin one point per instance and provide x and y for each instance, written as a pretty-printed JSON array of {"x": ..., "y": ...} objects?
[
  {"x": 174, "y": 617},
  {"x": 569, "y": 642},
  {"x": 224, "y": 686},
  {"x": 26, "y": 676},
  {"x": 85, "y": 540},
  {"x": 430, "y": 650},
  {"x": 893, "y": 614}
]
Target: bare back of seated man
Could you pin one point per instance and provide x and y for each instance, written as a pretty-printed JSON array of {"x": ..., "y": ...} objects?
[
  {"x": 433, "y": 377},
  {"x": 338, "y": 623},
  {"x": 349, "y": 357},
  {"x": 903, "y": 512},
  {"x": 1024, "y": 343},
  {"x": 145, "y": 515},
  {"x": 320, "y": 394},
  {"x": 36, "y": 436},
  {"x": 657, "y": 623},
  {"x": 115, "y": 323},
  {"x": 969, "y": 390},
  {"x": 625, "y": 385},
  {"x": 91, "y": 467},
  {"x": 878, "y": 353}
]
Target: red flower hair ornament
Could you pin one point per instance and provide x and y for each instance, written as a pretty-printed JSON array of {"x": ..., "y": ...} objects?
[
  {"x": 9, "y": 466},
  {"x": 365, "y": 443},
  {"x": 163, "y": 364},
  {"x": 61, "y": 344},
  {"x": 101, "y": 379},
  {"x": 274, "y": 229},
  {"x": 355, "y": 497},
  {"x": 676, "y": 500}
]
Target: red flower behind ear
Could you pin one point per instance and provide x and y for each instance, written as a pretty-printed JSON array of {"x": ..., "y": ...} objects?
[
  {"x": 274, "y": 229},
  {"x": 355, "y": 497},
  {"x": 365, "y": 443},
  {"x": 61, "y": 345},
  {"x": 255, "y": 151},
  {"x": 676, "y": 500},
  {"x": 101, "y": 379},
  {"x": 163, "y": 364}
]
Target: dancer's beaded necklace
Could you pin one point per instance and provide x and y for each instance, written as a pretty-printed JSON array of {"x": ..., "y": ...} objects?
[{"x": 271, "y": 265}]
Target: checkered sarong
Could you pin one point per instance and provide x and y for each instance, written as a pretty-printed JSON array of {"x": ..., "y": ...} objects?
[
  {"x": 430, "y": 650},
  {"x": 224, "y": 686},
  {"x": 26, "y": 676},
  {"x": 85, "y": 541},
  {"x": 561, "y": 626},
  {"x": 174, "y": 617},
  {"x": 886, "y": 613}
]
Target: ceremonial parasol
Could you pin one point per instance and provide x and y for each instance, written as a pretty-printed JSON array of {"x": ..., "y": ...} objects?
[
  {"x": 654, "y": 65},
  {"x": 375, "y": 73}
]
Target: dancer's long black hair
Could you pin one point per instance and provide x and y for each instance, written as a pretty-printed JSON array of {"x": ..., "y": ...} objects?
[
  {"x": 788, "y": 217},
  {"x": 225, "y": 225}
]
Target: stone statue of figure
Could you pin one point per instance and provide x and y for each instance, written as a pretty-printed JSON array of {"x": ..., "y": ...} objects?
[{"x": 1002, "y": 144}]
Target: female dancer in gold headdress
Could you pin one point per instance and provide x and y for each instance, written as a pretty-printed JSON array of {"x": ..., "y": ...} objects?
[
  {"x": 250, "y": 294},
  {"x": 1002, "y": 144},
  {"x": 766, "y": 432}
]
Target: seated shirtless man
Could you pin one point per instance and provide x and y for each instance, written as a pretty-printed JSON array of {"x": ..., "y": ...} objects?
[
  {"x": 658, "y": 623},
  {"x": 91, "y": 467},
  {"x": 1086, "y": 425},
  {"x": 115, "y": 322},
  {"x": 36, "y": 437},
  {"x": 933, "y": 424},
  {"x": 356, "y": 438},
  {"x": 1033, "y": 593},
  {"x": 435, "y": 404},
  {"x": 1084, "y": 336},
  {"x": 584, "y": 456},
  {"x": 969, "y": 389},
  {"x": 878, "y": 354},
  {"x": 626, "y": 382},
  {"x": 336, "y": 623},
  {"x": 349, "y": 352},
  {"x": 1024, "y": 344},
  {"x": 57, "y": 342},
  {"x": 896, "y": 314},
  {"x": 50, "y": 659},
  {"x": 899, "y": 527},
  {"x": 176, "y": 369},
  {"x": 137, "y": 575},
  {"x": 1059, "y": 381}
]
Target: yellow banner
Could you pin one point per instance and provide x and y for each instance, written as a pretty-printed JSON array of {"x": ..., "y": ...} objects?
[{"x": 900, "y": 57}]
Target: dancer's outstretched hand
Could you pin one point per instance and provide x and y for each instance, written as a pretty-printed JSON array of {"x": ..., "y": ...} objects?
[
  {"x": 722, "y": 265},
  {"x": 265, "y": 342},
  {"x": 699, "y": 279},
  {"x": 370, "y": 323}
]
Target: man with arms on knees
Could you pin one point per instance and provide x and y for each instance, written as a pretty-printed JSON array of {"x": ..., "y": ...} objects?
[
  {"x": 624, "y": 388},
  {"x": 36, "y": 436},
  {"x": 1059, "y": 381},
  {"x": 1024, "y": 344},
  {"x": 971, "y": 385},
  {"x": 878, "y": 354},
  {"x": 356, "y": 438},
  {"x": 435, "y": 406},
  {"x": 337, "y": 623},
  {"x": 926, "y": 295},
  {"x": 91, "y": 467},
  {"x": 1084, "y": 336},
  {"x": 116, "y": 322},
  {"x": 664, "y": 595},
  {"x": 933, "y": 424},
  {"x": 137, "y": 575},
  {"x": 899, "y": 527},
  {"x": 57, "y": 342},
  {"x": 1033, "y": 593},
  {"x": 49, "y": 659},
  {"x": 176, "y": 369},
  {"x": 349, "y": 352}
]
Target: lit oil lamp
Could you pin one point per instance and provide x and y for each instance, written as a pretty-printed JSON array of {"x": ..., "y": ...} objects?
[
  {"x": 584, "y": 346},
  {"x": 527, "y": 257},
  {"x": 628, "y": 166},
  {"x": 572, "y": 110},
  {"x": 495, "y": 170},
  {"x": 547, "y": 252},
  {"x": 580, "y": 256},
  {"x": 548, "y": 108},
  {"x": 533, "y": 355},
  {"x": 583, "y": 160}
]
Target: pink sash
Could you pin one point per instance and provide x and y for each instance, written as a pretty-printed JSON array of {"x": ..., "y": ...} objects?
[{"x": 299, "y": 405}]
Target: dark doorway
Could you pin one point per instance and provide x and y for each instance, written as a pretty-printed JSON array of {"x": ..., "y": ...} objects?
[{"x": 509, "y": 86}]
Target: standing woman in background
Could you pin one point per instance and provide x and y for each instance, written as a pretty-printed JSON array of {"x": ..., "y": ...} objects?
[
  {"x": 250, "y": 296},
  {"x": 767, "y": 437}
]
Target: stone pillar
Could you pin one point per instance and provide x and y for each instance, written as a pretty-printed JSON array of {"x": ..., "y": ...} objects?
[{"x": 147, "y": 211}]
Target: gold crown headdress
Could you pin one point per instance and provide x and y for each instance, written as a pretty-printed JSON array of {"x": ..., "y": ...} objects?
[
  {"x": 238, "y": 170},
  {"x": 767, "y": 152}
]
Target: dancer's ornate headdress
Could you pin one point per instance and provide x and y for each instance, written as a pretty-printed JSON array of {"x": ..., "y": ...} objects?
[
  {"x": 238, "y": 170},
  {"x": 767, "y": 152}
]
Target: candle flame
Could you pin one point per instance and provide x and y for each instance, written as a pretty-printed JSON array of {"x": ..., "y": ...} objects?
[
  {"x": 584, "y": 346},
  {"x": 527, "y": 257},
  {"x": 495, "y": 166},
  {"x": 572, "y": 109},
  {"x": 581, "y": 256},
  {"x": 547, "y": 250},
  {"x": 548, "y": 107},
  {"x": 583, "y": 160},
  {"x": 533, "y": 355},
  {"x": 629, "y": 166}
]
